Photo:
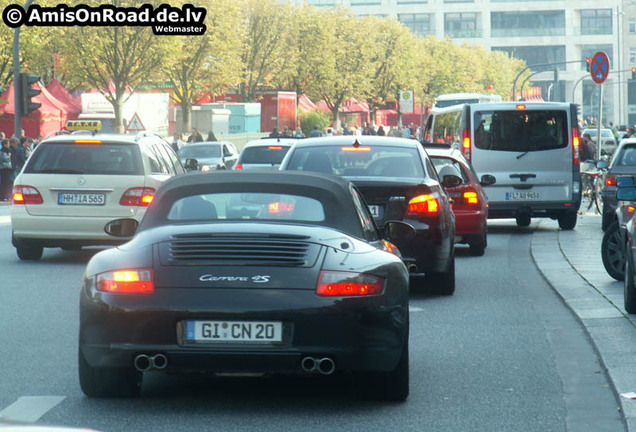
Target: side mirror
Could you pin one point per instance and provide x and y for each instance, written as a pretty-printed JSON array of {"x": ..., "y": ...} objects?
[
  {"x": 398, "y": 231},
  {"x": 624, "y": 181},
  {"x": 626, "y": 193},
  {"x": 191, "y": 164},
  {"x": 602, "y": 164},
  {"x": 451, "y": 181},
  {"x": 121, "y": 227},
  {"x": 487, "y": 180}
]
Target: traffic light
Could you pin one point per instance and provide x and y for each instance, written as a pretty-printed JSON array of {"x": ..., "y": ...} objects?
[
  {"x": 588, "y": 63},
  {"x": 26, "y": 81},
  {"x": 634, "y": 73}
]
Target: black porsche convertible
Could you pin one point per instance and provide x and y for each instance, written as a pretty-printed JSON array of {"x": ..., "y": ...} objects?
[{"x": 302, "y": 283}]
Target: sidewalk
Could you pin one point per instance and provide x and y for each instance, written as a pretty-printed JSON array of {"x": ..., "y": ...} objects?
[{"x": 571, "y": 263}]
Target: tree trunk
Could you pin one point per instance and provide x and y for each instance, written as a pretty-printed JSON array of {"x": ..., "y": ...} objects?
[
  {"x": 186, "y": 116},
  {"x": 118, "y": 106}
]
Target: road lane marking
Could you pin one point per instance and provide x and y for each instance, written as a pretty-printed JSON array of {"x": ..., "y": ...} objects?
[{"x": 29, "y": 409}]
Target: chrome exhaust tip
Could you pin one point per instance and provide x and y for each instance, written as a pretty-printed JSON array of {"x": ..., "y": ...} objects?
[
  {"x": 159, "y": 361},
  {"x": 308, "y": 364},
  {"x": 142, "y": 363},
  {"x": 412, "y": 268},
  {"x": 326, "y": 366}
]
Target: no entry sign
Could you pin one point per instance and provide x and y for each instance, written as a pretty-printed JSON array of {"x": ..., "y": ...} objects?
[{"x": 600, "y": 67}]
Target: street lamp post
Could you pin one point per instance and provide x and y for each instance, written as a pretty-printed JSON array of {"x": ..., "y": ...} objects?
[
  {"x": 514, "y": 84},
  {"x": 17, "y": 87}
]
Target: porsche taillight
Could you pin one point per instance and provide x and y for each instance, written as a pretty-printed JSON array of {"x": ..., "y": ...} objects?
[
  {"x": 23, "y": 194},
  {"x": 423, "y": 205},
  {"x": 390, "y": 247},
  {"x": 348, "y": 284},
  {"x": 138, "y": 196},
  {"x": 133, "y": 281}
]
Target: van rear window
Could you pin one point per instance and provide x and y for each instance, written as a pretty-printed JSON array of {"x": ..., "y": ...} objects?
[{"x": 521, "y": 131}]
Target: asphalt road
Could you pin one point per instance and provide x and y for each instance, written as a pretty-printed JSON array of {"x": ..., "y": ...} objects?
[{"x": 503, "y": 354}]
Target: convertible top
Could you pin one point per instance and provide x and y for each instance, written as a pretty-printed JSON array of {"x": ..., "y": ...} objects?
[{"x": 332, "y": 191}]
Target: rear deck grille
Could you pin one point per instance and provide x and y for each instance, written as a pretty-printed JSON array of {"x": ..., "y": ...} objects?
[{"x": 241, "y": 251}]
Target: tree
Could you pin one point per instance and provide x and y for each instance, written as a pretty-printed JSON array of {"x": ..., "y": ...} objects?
[
  {"x": 205, "y": 64},
  {"x": 114, "y": 60}
]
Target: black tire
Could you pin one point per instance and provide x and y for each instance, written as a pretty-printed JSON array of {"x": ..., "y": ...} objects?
[
  {"x": 443, "y": 282},
  {"x": 606, "y": 221},
  {"x": 29, "y": 251},
  {"x": 523, "y": 220},
  {"x": 390, "y": 386},
  {"x": 613, "y": 252},
  {"x": 108, "y": 382},
  {"x": 567, "y": 220},
  {"x": 629, "y": 289},
  {"x": 478, "y": 245}
]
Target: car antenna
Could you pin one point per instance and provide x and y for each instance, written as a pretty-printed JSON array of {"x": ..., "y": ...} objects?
[{"x": 356, "y": 144}]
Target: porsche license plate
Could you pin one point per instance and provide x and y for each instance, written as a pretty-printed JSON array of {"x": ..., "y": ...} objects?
[
  {"x": 81, "y": 199},
  {"x": 512, "y": 196},
  {"x": 234, "y": 331}
]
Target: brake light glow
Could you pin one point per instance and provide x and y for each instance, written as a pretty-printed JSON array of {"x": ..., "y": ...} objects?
[
  {"x": 279, "y": 207},
  {"x": 239, "y": 167},
  {"x": 521, "y": 107},
  {"x": 610, "y": 181},
  {"x": 631, "y": 209},
  {"x": 23, "y": 194},
  {"x": 390, "y": 247},
  {"x": 471, "y": 197},
  {"x": 423, "y": 205},
  {"x": 348, "y": 284},
  {"x": 354, "y": 149},
  {"x": 88, "y": 141},
  {"x": 275, "y": 148},
  {"x": 575, "y": 146},
  {"x": 466, "y": 144},
  {"x": 139, "y": 196},
  {"x": 139, "y": 281}
]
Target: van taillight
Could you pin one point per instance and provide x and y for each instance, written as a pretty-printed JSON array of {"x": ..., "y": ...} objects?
[
  {"x": 466, "y": 144},
  {"x": 575, "y": 146}
]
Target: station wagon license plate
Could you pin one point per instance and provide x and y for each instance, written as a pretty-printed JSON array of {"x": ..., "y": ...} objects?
[
  {"x": 510, "y": 196},
  {"x": 234, "y": 331},
  {"x": 81, "y": 199}
]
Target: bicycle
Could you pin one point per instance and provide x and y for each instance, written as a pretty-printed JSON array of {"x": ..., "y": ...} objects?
[{"x": 593, "y": 180}]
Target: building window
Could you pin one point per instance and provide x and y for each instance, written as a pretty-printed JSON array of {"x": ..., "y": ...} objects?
[
  {"x": 550, "y": 55},
  {"x": 632, "y": 26},
  {"x": 632, "y": 56},
  {"x": 535, "y": 23},
  {"x": 366, "y": 2},
  {"x": 412, "y": 2},
  {"x": 330, "y": 3},
  {"x": 418, "y": 23},
  {"x": 461, "y": 25},
  {"x": 596, "y": 21}
]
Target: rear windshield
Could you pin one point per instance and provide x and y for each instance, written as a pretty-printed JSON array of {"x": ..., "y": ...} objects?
[
  {"x": 253, "y": 205},
  {"x": 625, "y": 157},
  {"x": 521, "y": 131},
  {"x": 445, "y": 166},
  {"x": 72, "y": 158},
  {"x": 200, "y": 151},
  {"x": 362, "y": 161},
  {"x": 273, "y": 154}
]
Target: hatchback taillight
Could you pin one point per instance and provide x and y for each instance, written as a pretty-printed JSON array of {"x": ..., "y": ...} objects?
[
  {"x": 347, "y": 284},
  {"x": 610, "y": 181},
  {"x": 23, "y": 194},
  {"x": 239, "y": 167},
  {"x": 134, "y": 281},
  {"x": 139, "y": 196}
]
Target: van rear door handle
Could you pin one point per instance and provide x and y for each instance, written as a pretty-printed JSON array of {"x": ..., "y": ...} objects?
[{"x": 523, "y": 177}]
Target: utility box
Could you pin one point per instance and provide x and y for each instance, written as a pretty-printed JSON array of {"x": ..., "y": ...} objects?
[
  {"x": 278, "y": 109},
  {"x": 244, "y": 117},
  {"x": 206, "y": 119}
]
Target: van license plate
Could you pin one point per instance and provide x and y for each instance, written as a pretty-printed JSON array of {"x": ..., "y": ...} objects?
[{"x": 513, "y": 196}]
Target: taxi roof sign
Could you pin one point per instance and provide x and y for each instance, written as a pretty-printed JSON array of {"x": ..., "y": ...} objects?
[{"x": 94, "y": 125}]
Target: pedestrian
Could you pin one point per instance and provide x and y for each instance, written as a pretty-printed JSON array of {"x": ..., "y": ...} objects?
[
  {"x": 18, "y": 156},
  {"x": 614, "y": 130},
  {"x": 406, "y": 132},
  {"x": 329, "y": 132},
  {"x": 381, "y": 131},
  {"x": 211, "y": 136},
  {"x": 177, "y": 142},
  {"x": 589, "y": 153},
  {"x": 367, "y": 129},
  {"x": 6, "y": 171},
  {"x": 315, "y": 132},
  {"x": 299, "y": 133},
  {"x": 631, "y": 133},
  {"x": 274, "y": 133},
  {"x": 195, "y": 136}
]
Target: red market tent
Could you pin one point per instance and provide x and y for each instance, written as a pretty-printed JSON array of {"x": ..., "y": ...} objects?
[
  {"x": 72, "y": 104},
  {"x": 305, "y": 104},
  {"x": 50, "y": 117}
]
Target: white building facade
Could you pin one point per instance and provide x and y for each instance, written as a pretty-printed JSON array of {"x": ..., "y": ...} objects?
[{"x": 558, "y": 34}]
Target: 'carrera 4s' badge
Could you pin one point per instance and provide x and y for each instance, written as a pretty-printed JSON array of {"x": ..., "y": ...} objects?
[{"x": 255, "y": 279}]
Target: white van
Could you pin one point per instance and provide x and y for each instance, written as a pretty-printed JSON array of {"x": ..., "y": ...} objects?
[{"x": 531, "y": 148}]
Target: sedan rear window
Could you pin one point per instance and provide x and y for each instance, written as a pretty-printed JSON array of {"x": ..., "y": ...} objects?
[
  {"x": 272, "y": 154},
  {"x": 249, "y": 206},
  {"x": 200, "y": 151},
  {"x": 626, "y": 157},
  {"x": 521, "y": 130},
  {"x": 72, "y": 158},
  {"x": 359, "y": 161}
]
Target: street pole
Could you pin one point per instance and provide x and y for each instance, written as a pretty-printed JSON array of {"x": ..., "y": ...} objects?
[
  {"x": 17, "y": 87},
  {"x": 600, "y": 113},
  {"x": 514, "y": 84}
]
